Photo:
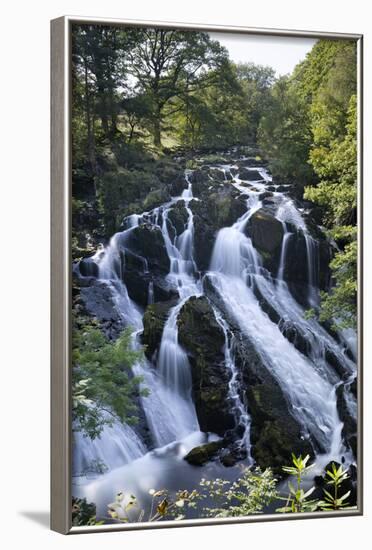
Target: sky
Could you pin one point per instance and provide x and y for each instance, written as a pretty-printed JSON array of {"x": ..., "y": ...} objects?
[{"x": 282, "y": 53}]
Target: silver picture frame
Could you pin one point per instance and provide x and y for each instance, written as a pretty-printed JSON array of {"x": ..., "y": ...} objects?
[{"x": 61, "y": 270}]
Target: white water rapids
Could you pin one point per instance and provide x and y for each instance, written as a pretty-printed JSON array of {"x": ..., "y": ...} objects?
[{"x": 236, "y": 273}]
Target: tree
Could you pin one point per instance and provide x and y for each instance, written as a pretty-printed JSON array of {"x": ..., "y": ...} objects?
[
  {"x": 168, "y": 64},
  {"x": 284, "y": 134},
  {"x": 337, "y": 194},
  {"x": 102, "y": 386}
]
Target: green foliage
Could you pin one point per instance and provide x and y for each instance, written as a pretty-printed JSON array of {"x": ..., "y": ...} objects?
[
  {"x": 298, "y": 499},
  {"x": 83, "y": 512},
  {"x": 284, "y": 134},
  {"x": 335, "y": 477},
  {"x": 102, "y": 386},
  {"x": 337, "y": 194},
  {"x": 117, "y": 190},
  {"x": 251, "y": 493}
]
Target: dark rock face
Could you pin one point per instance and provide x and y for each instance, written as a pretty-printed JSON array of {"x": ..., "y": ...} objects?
[
  {"x": 177, "y": 217},
  {"x": 204, "y": 453},
  {"x": 88, "y": 267},
  {"x": 216, "y": 210},
  {"x": 296, "y": 266},
  {"x": 199, "y": 180},
  {"x": 178, "y": 185},
  {"x": 147, "y": 241},
  {"x": 275, "y": 433},
  {"x": 154, "y": 320},
  {"x": 350, "y": 428},
  {"x": 266, "y": 233},
  {"x": 203, "y": 339},
  {"x": 97, "y": 300},
  {"x": 250, "y": 175}
]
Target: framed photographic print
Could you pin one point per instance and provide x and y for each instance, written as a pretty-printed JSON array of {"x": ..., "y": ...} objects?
[{"x": 206, "y": 274}]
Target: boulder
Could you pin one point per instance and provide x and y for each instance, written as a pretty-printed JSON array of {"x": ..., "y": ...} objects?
[
  {"x": 204, "y": 453},
  {"x": 88, "y": 267},
  {"x": 137, "y": 284},
  {"x": 265, "y": 231},
  {"x": 203, "y": 340},
  {"x": 154, "y": 320},
  {"x": 250, "y": 175},
  {"x": 155, "y": 198},
  {"x": 199, "y": 180},
  {"x": 178, "y": 185},
  {"x": 217, "y": 174},
  {"x": 147, "y": 241},
  {"x": 98, "y": 301},
  {"x": 218, "y": 209},
  {"x": 177, "y": 217},
  {"x": 265, "y": 195}
]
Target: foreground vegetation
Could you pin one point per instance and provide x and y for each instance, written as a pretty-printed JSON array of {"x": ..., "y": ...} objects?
[
  {"x": 103, "y": 389},
  {"x": 251, "y": 493}
]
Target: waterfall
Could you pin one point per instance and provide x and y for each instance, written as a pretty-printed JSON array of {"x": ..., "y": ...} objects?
[
  {"x": 173, "y": 364},
  {"x": 313, "y": 400},
  {"x": 307, "y": 379},
  {"x": 283, "y": 254},
  {"x": 239, "y": 409},
  {"x": 312, "y": 258},
  {"x": 117, "y": 445},
  {"x": 288, "y": 213}
]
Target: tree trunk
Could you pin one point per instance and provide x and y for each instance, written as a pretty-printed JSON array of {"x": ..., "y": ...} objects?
[
  {"x": 157, "y": 127},
  {"x": 89, "y": 123}
]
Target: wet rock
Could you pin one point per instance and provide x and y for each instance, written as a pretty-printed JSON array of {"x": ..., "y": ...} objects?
[
  {"x": 154, "y": 320},
  {"x": 265, "y": 195},
  {"x": 250, "y": 175},
  {"x": 216, "y": 210},
  {"x": 156, "y": 198},
  {"x": 265, "y": 231},
  {"x": 199, "y": 180},
  {"x": 178, "y": 217},
  {"x": 178, "y": 185},
  {"x": 203, "y": 339},
  {"x": 88, "y": 267},
  {"x": 350, "y": 428},
  {"x": 204, "y": 453},
  {"x": 147, "y": 241},
  {"x": 217, "y": 174},
  {"x": 137, "y": 284},
  {"x": 98, "y": 301},
  {"x": 296, "y": 269},
  {"x": 275, "y": 433}
]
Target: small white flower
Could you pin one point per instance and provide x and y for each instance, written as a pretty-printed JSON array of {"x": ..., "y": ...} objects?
[{"x": 152, "y": 492}]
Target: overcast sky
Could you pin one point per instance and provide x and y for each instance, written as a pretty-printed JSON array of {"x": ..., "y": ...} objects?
[{"x": 282, "y": 53}]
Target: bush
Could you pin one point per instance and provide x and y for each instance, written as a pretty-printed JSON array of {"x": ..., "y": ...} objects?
[{"x": 103, "y": 388}]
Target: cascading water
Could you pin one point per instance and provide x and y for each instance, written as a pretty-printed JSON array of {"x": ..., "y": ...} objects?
[
  {"x": 235, "y": 268},
  {"x": 283, "y": 254},
  {"x": 242, "y": 284},
  {"x": 239, "y": 409}
]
